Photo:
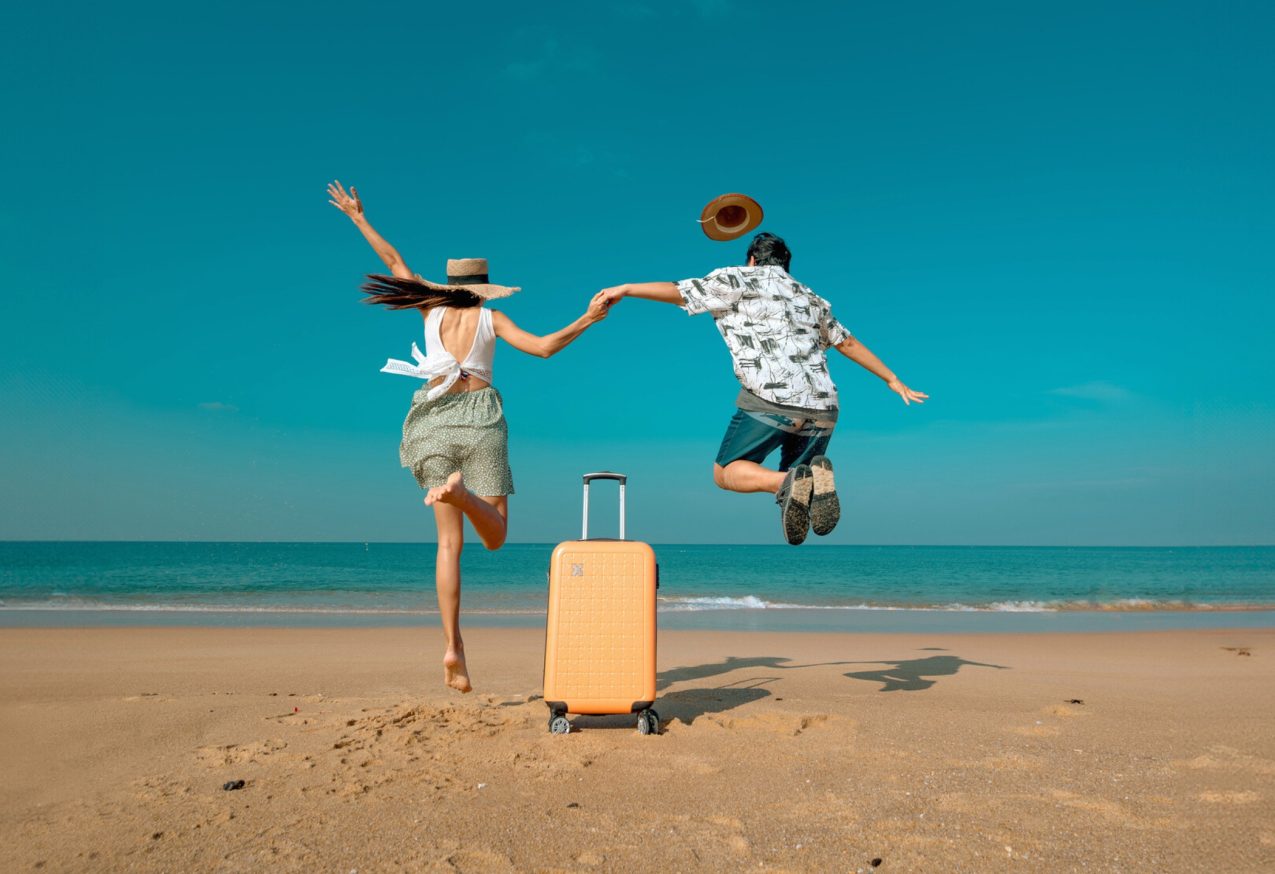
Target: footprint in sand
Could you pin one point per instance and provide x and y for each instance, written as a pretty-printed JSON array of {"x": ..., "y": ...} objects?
[
  {"x": 237, "y": 754},
  {"x": 419, "y": 723},
  {"x": 1246, "y": 797},
  {"x": 776, "y": 723},
  {"x": 1239, "y": 650},
  {"x": 146, "y": 696},
  {"x": 405, "y": 742},
  {"x": 1224, "y": 758}
]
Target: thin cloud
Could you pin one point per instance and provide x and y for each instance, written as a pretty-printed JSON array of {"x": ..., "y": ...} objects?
[
  {"x": 218, "y": 407},
  {"x": 1104, "y": 392}
]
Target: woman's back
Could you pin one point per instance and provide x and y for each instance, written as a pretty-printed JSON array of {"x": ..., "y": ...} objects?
[{"x": 466, "y": 337}]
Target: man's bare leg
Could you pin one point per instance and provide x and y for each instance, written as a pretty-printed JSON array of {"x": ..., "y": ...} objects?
[
  {"x": 488, "y": 514},
  {"x": 450, "y": 523},
  {"x": 747, "y": 476}
]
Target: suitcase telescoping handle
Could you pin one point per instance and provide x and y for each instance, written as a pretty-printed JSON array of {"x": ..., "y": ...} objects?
[{"x": 602, "y": 474}]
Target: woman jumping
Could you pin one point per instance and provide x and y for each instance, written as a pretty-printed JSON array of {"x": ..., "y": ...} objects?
[{"x": 455, "y": 440}]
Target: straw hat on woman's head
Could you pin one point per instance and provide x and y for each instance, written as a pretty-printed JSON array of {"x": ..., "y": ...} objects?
[
  {"x": 467, "y": 285},
  {"x": 470, "y": 274},
  {"x": 730, "y": 216}
]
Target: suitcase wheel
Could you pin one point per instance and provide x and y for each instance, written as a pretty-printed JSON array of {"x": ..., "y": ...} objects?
[
  {"x": 648, "y": 722},
  {"x": 559, "y": 724}
]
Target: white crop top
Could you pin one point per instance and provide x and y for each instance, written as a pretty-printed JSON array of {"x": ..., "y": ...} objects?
[{"x": 439, "y": 362}]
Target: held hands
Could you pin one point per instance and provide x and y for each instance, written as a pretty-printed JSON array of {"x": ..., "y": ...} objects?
[
  {"x": 613, "y": 295},
  {"x": 906, "y": 393},
  {"x": 598, "y": 308},
  {"x": 347, "y": 203}
]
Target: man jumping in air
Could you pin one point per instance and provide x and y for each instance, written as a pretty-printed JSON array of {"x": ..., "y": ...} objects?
[{"x": 777, "y": 331}]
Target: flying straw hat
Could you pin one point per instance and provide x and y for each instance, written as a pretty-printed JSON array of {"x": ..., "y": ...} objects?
[
  {"x": 730, "y": 216},
  {"x": 469, "y": 274}
]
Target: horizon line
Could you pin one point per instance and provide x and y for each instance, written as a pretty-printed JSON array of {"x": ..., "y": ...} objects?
[{"x": 679, "y": 543}]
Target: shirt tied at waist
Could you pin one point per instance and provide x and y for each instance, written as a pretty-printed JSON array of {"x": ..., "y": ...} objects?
[{"x": 448, "y": 368}]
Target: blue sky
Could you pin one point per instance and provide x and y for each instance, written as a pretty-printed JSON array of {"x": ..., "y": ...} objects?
[{"x": 1055, "y": 220}]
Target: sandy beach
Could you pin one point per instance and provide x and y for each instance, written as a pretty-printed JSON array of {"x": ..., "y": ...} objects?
[{"x": 779, "y": 752}]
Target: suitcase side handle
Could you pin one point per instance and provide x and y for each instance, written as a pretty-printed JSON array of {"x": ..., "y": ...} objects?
[{"x": 604, "y": 474}]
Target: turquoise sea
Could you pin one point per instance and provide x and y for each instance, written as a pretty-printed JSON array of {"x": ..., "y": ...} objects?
[{"x": 828, "y": 588}]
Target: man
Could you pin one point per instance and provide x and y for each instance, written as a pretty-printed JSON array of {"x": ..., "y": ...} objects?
[{"x": 777, "y": 331}]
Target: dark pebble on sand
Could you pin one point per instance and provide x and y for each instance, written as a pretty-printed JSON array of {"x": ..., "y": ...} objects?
[
  {"x": 1075, "y": 701},
  {"x": 876, "y": 863},
  {"x": 231, "y": 785},
  {"x": 574, "y": 804}
]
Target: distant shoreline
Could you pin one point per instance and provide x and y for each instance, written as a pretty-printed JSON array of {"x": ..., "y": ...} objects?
[{"x": 847, "y": 620}]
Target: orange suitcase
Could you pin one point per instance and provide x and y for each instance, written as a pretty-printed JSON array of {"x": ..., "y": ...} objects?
[{"x": 600, "y": 639}]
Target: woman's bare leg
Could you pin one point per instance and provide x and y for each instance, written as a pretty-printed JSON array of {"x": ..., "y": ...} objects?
[
  {"x": 451, "y": 537},
  {"x": 488, "y": 515}
]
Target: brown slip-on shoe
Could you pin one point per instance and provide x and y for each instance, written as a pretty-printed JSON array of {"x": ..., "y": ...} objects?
[
  {"x": 825, "y": 507},
  {"x": 793, "y": 499}
]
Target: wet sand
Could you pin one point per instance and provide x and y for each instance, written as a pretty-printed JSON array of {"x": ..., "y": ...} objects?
[{"x": 779, "y": 751}]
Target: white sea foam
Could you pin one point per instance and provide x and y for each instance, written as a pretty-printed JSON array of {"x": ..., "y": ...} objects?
[{"x": 1022, "y": 607}]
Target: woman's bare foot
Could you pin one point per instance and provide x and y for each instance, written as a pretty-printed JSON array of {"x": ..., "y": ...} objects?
[
  {"x": 450, "y": 492},
  {"x": 455, "y": 674}
]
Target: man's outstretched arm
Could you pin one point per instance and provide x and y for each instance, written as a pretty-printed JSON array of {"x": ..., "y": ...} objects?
[
  {"x": 664, "y": 292},
  {"x": 862, "y": 356}
]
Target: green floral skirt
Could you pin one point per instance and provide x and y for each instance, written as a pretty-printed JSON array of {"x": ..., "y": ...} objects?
[{"x": 465, "y": 431}]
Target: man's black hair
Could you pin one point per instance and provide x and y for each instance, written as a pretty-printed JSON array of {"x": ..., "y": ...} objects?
[{"x": 769, "y": 249}]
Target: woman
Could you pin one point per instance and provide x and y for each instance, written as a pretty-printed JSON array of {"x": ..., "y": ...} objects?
[{"x": 455, "y": 439}]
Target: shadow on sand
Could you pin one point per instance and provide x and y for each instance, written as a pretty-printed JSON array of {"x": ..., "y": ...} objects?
[
  {"x": 690, "y": 704},
  {"x": 664, "y": 679},
  {"x": 913, "y": 675},
  {"x": 687, "y": 705}
]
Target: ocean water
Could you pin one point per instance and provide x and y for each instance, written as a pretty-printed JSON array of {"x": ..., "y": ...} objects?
[{"x": 754, "y": 587}]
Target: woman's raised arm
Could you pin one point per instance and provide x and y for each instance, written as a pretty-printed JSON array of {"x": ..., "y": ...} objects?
[
  {"x": 543, "y": 347},
  {"x": 353, "y": 207}
]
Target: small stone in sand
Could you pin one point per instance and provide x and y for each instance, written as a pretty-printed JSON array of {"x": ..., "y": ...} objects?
[
  {"x": 1075, "y": 701},
  {"x": 876, "y": 863},
  {"x": 232, "y": 785}
]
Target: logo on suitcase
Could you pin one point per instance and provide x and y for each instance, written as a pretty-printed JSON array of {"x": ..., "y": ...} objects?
[{"x": 577, "y": 569}]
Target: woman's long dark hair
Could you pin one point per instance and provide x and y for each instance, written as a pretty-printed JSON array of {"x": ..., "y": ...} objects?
[{"x": 409, "y": 294}]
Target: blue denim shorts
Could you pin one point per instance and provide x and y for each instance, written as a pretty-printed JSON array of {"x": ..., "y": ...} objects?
[{"x": 752, "y": 436}]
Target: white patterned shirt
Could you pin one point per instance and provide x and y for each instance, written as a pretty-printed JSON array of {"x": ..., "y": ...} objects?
[{"x": 776, "y": 329}]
